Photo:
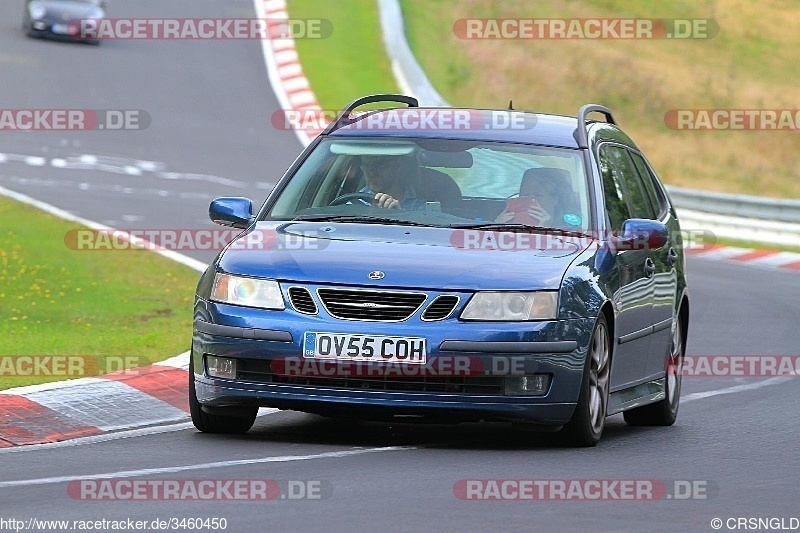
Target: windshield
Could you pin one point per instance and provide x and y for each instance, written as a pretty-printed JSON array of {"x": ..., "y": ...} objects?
[{"x": 438, "y": 182}]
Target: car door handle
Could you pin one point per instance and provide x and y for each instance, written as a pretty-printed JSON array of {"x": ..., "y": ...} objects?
[
  {"x": 672, "y": 256},
  {"x": 649, "y": 267}
]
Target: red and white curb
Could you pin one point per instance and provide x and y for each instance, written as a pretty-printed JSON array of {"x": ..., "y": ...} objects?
[
  {"x": 51, "y": 412},
  {"x": 286, "y": 76},
  {"x": 157, "y": 394},
  {"x": 768, "y": 259}
]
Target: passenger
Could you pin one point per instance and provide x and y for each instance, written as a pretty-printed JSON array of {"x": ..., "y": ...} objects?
[
  {"x": 553, "y": 199},
  {"x": 391, "y": 179}
]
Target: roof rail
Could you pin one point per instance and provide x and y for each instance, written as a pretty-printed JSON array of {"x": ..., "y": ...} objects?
[
  {"x": 371, "y": 99},
  {"x": 581, "y": 134}
]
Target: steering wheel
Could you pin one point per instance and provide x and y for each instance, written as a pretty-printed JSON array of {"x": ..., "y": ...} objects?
[{"x": 353, "y": 196}]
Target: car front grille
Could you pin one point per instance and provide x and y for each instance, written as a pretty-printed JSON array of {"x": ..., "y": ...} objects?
[
  {"x": 259, "y": 371},
  {"x": 302, "y": 301},
  {"x": 384, "y": 306},
  {"x": 440, "y": 308}
]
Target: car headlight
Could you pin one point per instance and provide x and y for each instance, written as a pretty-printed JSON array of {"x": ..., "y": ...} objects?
[
  {"x": 37, "y": 10},
  {"x": 512, "y": 306},
  {"x": 250, "y": 292}
]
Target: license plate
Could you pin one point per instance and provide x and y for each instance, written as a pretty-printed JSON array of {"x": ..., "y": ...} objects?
[
  {"x": 60, "y": 28},
  {"x": 347, "y": 347}
]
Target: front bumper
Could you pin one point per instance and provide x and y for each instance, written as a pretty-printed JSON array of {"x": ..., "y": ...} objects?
[
  {"x": 56, "y": 29},
  {"x": 556, "y": 348}
]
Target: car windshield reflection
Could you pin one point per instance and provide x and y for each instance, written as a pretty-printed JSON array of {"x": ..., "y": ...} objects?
[{"x": 444, "y": 183}]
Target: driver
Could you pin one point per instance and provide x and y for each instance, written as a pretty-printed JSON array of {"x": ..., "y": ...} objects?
[{"x": 391, "y": 179}]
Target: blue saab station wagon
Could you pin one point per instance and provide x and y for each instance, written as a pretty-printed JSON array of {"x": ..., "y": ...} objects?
[{"x": 453, "y": 265}]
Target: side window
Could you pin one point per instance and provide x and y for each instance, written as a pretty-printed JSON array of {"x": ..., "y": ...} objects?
[
  {"x": 640, "y": 204},
  {"x": 658, "y": 201},
  {"x": 613, "y": 192}
]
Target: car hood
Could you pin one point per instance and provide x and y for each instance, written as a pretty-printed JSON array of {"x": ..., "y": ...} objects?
[
  {"x": 67, "y": 11},
  {"x": 409, "y": 257}
]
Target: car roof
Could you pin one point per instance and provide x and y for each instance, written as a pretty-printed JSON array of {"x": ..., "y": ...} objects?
[
  {"x": 465, "y": 124},
  {"x": 471, "y": 124}
]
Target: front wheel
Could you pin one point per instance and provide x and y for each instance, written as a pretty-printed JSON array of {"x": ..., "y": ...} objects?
[
  {"x": 664, "y": 412},
  {"x": 217, "y": 423},
  {"x": 587, "y": 423}
]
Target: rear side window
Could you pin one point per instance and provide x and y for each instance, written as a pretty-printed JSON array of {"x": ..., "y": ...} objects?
[
  {"x": 639, "y": 202},
  {"x": 613, "y": 192},
  {"x": 656, "y": 197}
]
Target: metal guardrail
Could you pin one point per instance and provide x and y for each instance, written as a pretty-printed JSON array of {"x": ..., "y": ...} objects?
[
  {"x": 739, "y": 228},
  {"x": 738, "y": 205},
  {"x": 728, "y": 215},
  {"x": 409, "y": 73}
]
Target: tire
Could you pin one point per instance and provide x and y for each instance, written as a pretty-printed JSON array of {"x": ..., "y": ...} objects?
[
  {"x": 664, "y": 412},
  {"x": 218, "y": 423},
  {"x": 586, "y": 425}
]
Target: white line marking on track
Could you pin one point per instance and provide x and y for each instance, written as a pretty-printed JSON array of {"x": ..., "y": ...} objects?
[
  {"x": 731, "y": 390},
  {"x": 60, "y": 213},
  {"x": 35, "y": 161},
  {"x": 118, "y": 165},
  {"x": 200, "y": 466}
]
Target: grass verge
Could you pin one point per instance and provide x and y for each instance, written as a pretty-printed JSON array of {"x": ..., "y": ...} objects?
[
  {"x": 747, "y": 65},
  {"x": 100, "y": 308},
  {"x": 352, "y": 61}
]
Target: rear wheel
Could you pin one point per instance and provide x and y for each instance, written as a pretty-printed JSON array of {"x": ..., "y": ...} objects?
[
  {"x": 587, "y": 423},
  {"x": 664, "y": 412},
  {"x": 240, "y": 422}
]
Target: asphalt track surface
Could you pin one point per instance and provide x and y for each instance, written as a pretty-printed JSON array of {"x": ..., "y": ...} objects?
[{"x": 210, "y": 104}]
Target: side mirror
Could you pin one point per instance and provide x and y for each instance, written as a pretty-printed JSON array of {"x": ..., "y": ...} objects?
[
  {"x": 232, "y": 211},
  {"x": 641, "y": 234}
]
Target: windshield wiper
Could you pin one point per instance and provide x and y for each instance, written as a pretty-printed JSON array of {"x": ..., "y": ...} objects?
[
  {"x": 360, "y": 219},
  {"x": 496, "y": 226}
]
